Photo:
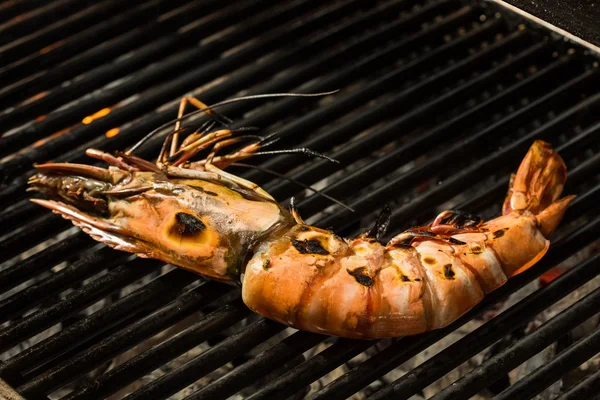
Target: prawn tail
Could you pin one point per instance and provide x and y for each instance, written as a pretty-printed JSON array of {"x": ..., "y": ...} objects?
[{"x": 536, "y": 187}]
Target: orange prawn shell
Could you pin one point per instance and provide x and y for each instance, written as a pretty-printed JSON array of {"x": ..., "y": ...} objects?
[{"x": 321, "y": 292}]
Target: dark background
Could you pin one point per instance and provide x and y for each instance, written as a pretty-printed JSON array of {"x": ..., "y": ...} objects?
[{"x": 579, "y": 17}]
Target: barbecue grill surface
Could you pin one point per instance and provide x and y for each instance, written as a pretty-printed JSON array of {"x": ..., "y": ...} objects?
[{"x": 439, "y": 100}]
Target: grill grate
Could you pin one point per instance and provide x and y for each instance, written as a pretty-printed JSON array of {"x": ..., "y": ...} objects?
[{"x": 439, "y": 100}]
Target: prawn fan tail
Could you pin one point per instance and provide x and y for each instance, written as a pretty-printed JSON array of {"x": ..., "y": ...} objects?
[{"x": 536, "y": 187}]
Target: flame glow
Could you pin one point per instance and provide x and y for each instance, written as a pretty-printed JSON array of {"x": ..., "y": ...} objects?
[
  {"x": 112, "y": 132},
  {"x": 52, "y": 47},
  {"x": 35, "y": 98},
  {"x": 90, "y": 118}
]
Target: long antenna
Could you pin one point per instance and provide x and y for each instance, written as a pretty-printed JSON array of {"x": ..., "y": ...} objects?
[
  {"x": 222, "y": 103},
  {"x": 316, "y": 191}
]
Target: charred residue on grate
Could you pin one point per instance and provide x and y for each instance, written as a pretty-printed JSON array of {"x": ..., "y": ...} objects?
[{"x": 438, "y": 100}]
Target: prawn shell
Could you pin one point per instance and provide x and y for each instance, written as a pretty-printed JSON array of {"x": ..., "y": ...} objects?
[
  {"x": 401, "y": 287},
  {"x": 517, "y": 242},
  {"x": 452, "y": 287},
  {"x": 482, "y": 260}
]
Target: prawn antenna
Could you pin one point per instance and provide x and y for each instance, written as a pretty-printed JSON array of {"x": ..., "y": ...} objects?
[
  {"x": 290, "y": 179},
  {"x": 300, "y": 150},
  {"x": 220, "y": 104}
]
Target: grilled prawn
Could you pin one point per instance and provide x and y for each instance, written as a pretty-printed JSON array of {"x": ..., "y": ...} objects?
[{"x": 196, "y": 216}]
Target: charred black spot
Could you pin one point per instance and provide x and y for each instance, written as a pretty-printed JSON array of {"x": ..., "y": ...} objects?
[
  {"x": 405, "y": 278},
  {"x": 429, "y": 260},
  {"x": 417, "y": 279},
  {"x": 476, "y": 249},
  {"x": 188, "y": 225},
  {"x": 208, "y": 192},
  {"x": 455, "y": 241},
  {"x": 499, "y": 233},
  {"x": 266, "y": 264},
  {"x": 312, "y": 246},
  {"x": 361, "y": 277},
  {"x": 448, "y": 273}
]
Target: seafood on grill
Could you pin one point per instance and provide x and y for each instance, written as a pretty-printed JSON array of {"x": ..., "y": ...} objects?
[{"x": 196, "y": 216}]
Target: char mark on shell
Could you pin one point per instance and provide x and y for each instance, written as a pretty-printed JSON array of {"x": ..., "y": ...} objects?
[
  {"x": 448, "y": 272},
  {"x": 361, "y": 277},
  {"x": 312, "y": 246},
  {"x": 455, "y": 241},
  {"x": 499, "y": 233},
  {"x": 188, "y": 225}
]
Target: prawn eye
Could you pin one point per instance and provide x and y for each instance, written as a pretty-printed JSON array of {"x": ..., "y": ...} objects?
[{"x": 187, "y": 225}]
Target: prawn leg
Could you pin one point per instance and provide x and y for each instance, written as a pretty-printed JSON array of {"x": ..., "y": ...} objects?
[
  {"x": 199, "y": 105},
  {"x": 109, "y": 159}
]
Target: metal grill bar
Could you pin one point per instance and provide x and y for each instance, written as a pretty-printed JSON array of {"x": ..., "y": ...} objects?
[
  {"x": 253, "y": 369},
  {"x": 584, "y": 389},
  {"x": 511, "y": 357},
  {"x": 140, "y": 365},
  {"x": 182, "y": 306},
  {"x": 460, "y": 180},
  {"x": 37, "y": 263},
  {"x": 544, "y": 376},
  {"x": 364, "y": 176},
  {"x": 74, "y": 23},
  {"x": 12, "y": 219},
  {"x": 168, "y": 40},
  {"x": 156, "y": 293},
  {"x": 42, "y": 229},
  {"x": 405, "y": 72},
  {"x": 357, "y": 148},
  {"x": 32, "y": 15},
  {"x": 306, "y": 72},
  {"x": 462, "y": 147},
  {"x": 32, "y": 295},
  {"x": 35, "y": 323},
  {"x": 61, "y": 50},
  {"x": 218, "y": 355}
]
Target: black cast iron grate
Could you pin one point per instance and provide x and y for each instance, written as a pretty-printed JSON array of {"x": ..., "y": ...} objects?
[{"x": 439, "y": 101}]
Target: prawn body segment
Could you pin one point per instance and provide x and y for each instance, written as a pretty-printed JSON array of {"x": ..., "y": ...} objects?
[
  {"x": 196, "y": 216},
  {"x": 362, "y": 289}
]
